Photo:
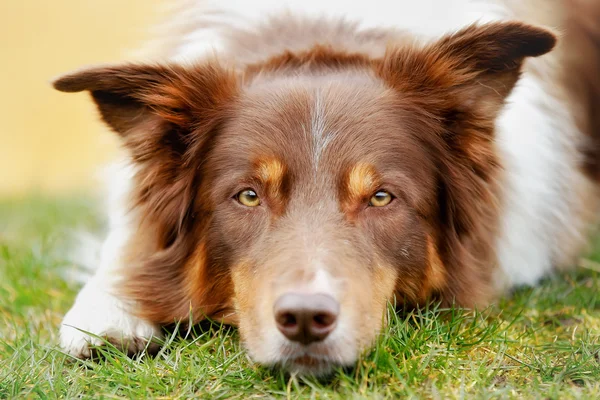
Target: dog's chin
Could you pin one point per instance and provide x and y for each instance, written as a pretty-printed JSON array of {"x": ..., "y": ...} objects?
[
  {"x": 317, "y": 360},
  {"x": 311, "y": 365}
]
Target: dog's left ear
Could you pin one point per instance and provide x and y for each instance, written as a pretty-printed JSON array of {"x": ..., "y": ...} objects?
[
  {"x": 474, "y": 69},
  {"x": 453, "y": 90}
]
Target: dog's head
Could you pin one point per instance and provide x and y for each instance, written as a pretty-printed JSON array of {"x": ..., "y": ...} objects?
[{"x": 299, "y": 196}]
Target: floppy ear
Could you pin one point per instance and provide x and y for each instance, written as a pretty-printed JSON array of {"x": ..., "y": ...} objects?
[
  {"x": 475, "y": 68},
  {"x": 155, "y": 105},
  {"x": 164, "y": 114},
  {"x": 454, "y": 89}
]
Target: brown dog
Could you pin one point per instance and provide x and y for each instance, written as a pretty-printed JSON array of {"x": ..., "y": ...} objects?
[{"x": 316, "y": 169}]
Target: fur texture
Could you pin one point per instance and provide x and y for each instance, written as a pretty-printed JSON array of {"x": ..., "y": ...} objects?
[{"x": 479, "y": 136}]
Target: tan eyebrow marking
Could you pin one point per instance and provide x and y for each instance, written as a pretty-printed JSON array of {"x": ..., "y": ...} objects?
[
  {"x": 362, "y": 181},
  {"x": 270, "y": 171}
]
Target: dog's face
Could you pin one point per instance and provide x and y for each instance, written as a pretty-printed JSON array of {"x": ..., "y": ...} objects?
[
  {"x": 298, "y": 197},
  {"x": 319, "y": 210}
]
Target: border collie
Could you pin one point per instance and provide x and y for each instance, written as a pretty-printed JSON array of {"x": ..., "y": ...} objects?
[{"x": 294, "y": 166}]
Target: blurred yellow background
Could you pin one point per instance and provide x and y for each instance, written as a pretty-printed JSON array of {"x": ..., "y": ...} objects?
[{"x": 51, "y": 141}]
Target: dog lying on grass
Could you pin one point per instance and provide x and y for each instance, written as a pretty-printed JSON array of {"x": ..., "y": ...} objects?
[{"x": 294, "y": 166}]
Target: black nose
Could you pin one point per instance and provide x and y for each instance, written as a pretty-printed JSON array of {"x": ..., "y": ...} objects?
[{"x": 306, "y": 318}]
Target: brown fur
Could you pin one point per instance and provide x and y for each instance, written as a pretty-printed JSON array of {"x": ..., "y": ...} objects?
[
  {"x": 583, "y": 75},
  {"x": 417, "y": 121}
]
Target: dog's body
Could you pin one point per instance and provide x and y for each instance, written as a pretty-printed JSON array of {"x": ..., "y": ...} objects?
[{"x": 372, "y": 154}]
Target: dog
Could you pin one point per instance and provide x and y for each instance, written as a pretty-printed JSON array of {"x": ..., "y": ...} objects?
[{"x": 293, "y": 167}]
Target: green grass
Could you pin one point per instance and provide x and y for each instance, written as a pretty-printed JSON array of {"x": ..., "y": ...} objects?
[{"x": 540, "y": 343}]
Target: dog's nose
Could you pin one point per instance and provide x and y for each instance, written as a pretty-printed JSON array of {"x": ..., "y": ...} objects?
[{"x": 306, "y": 318}]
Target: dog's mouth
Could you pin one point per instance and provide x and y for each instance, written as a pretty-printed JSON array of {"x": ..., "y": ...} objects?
[
  {"x": 308, "y": 361},
  {"x": 307, "y": 364}
]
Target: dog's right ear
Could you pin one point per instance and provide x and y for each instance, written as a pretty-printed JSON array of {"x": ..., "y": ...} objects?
[
  {"x": 155, "y": 105},
  {"x": 165, "y": 115}
]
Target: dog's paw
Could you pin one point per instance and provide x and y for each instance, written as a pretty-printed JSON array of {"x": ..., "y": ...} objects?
[{"x": 97, "y": 318}]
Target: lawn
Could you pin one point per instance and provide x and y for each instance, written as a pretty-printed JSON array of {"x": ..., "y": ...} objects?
[{"x": 540, "y": 343}]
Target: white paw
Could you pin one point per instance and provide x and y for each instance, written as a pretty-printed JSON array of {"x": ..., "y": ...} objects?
[{"x": 106, "y": 318}]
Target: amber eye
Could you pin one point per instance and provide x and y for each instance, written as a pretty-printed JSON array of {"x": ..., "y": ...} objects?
[
  {"x": 380, "y": 199},
  {"x": 248, "y": 198}
]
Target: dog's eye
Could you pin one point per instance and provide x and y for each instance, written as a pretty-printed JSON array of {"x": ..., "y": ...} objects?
[
  {"x": 248, "y": 198},
  {"x": 381, "y": 199}
]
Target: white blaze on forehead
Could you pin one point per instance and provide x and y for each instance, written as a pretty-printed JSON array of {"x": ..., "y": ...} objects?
[{"x": 321, "y": 137}]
